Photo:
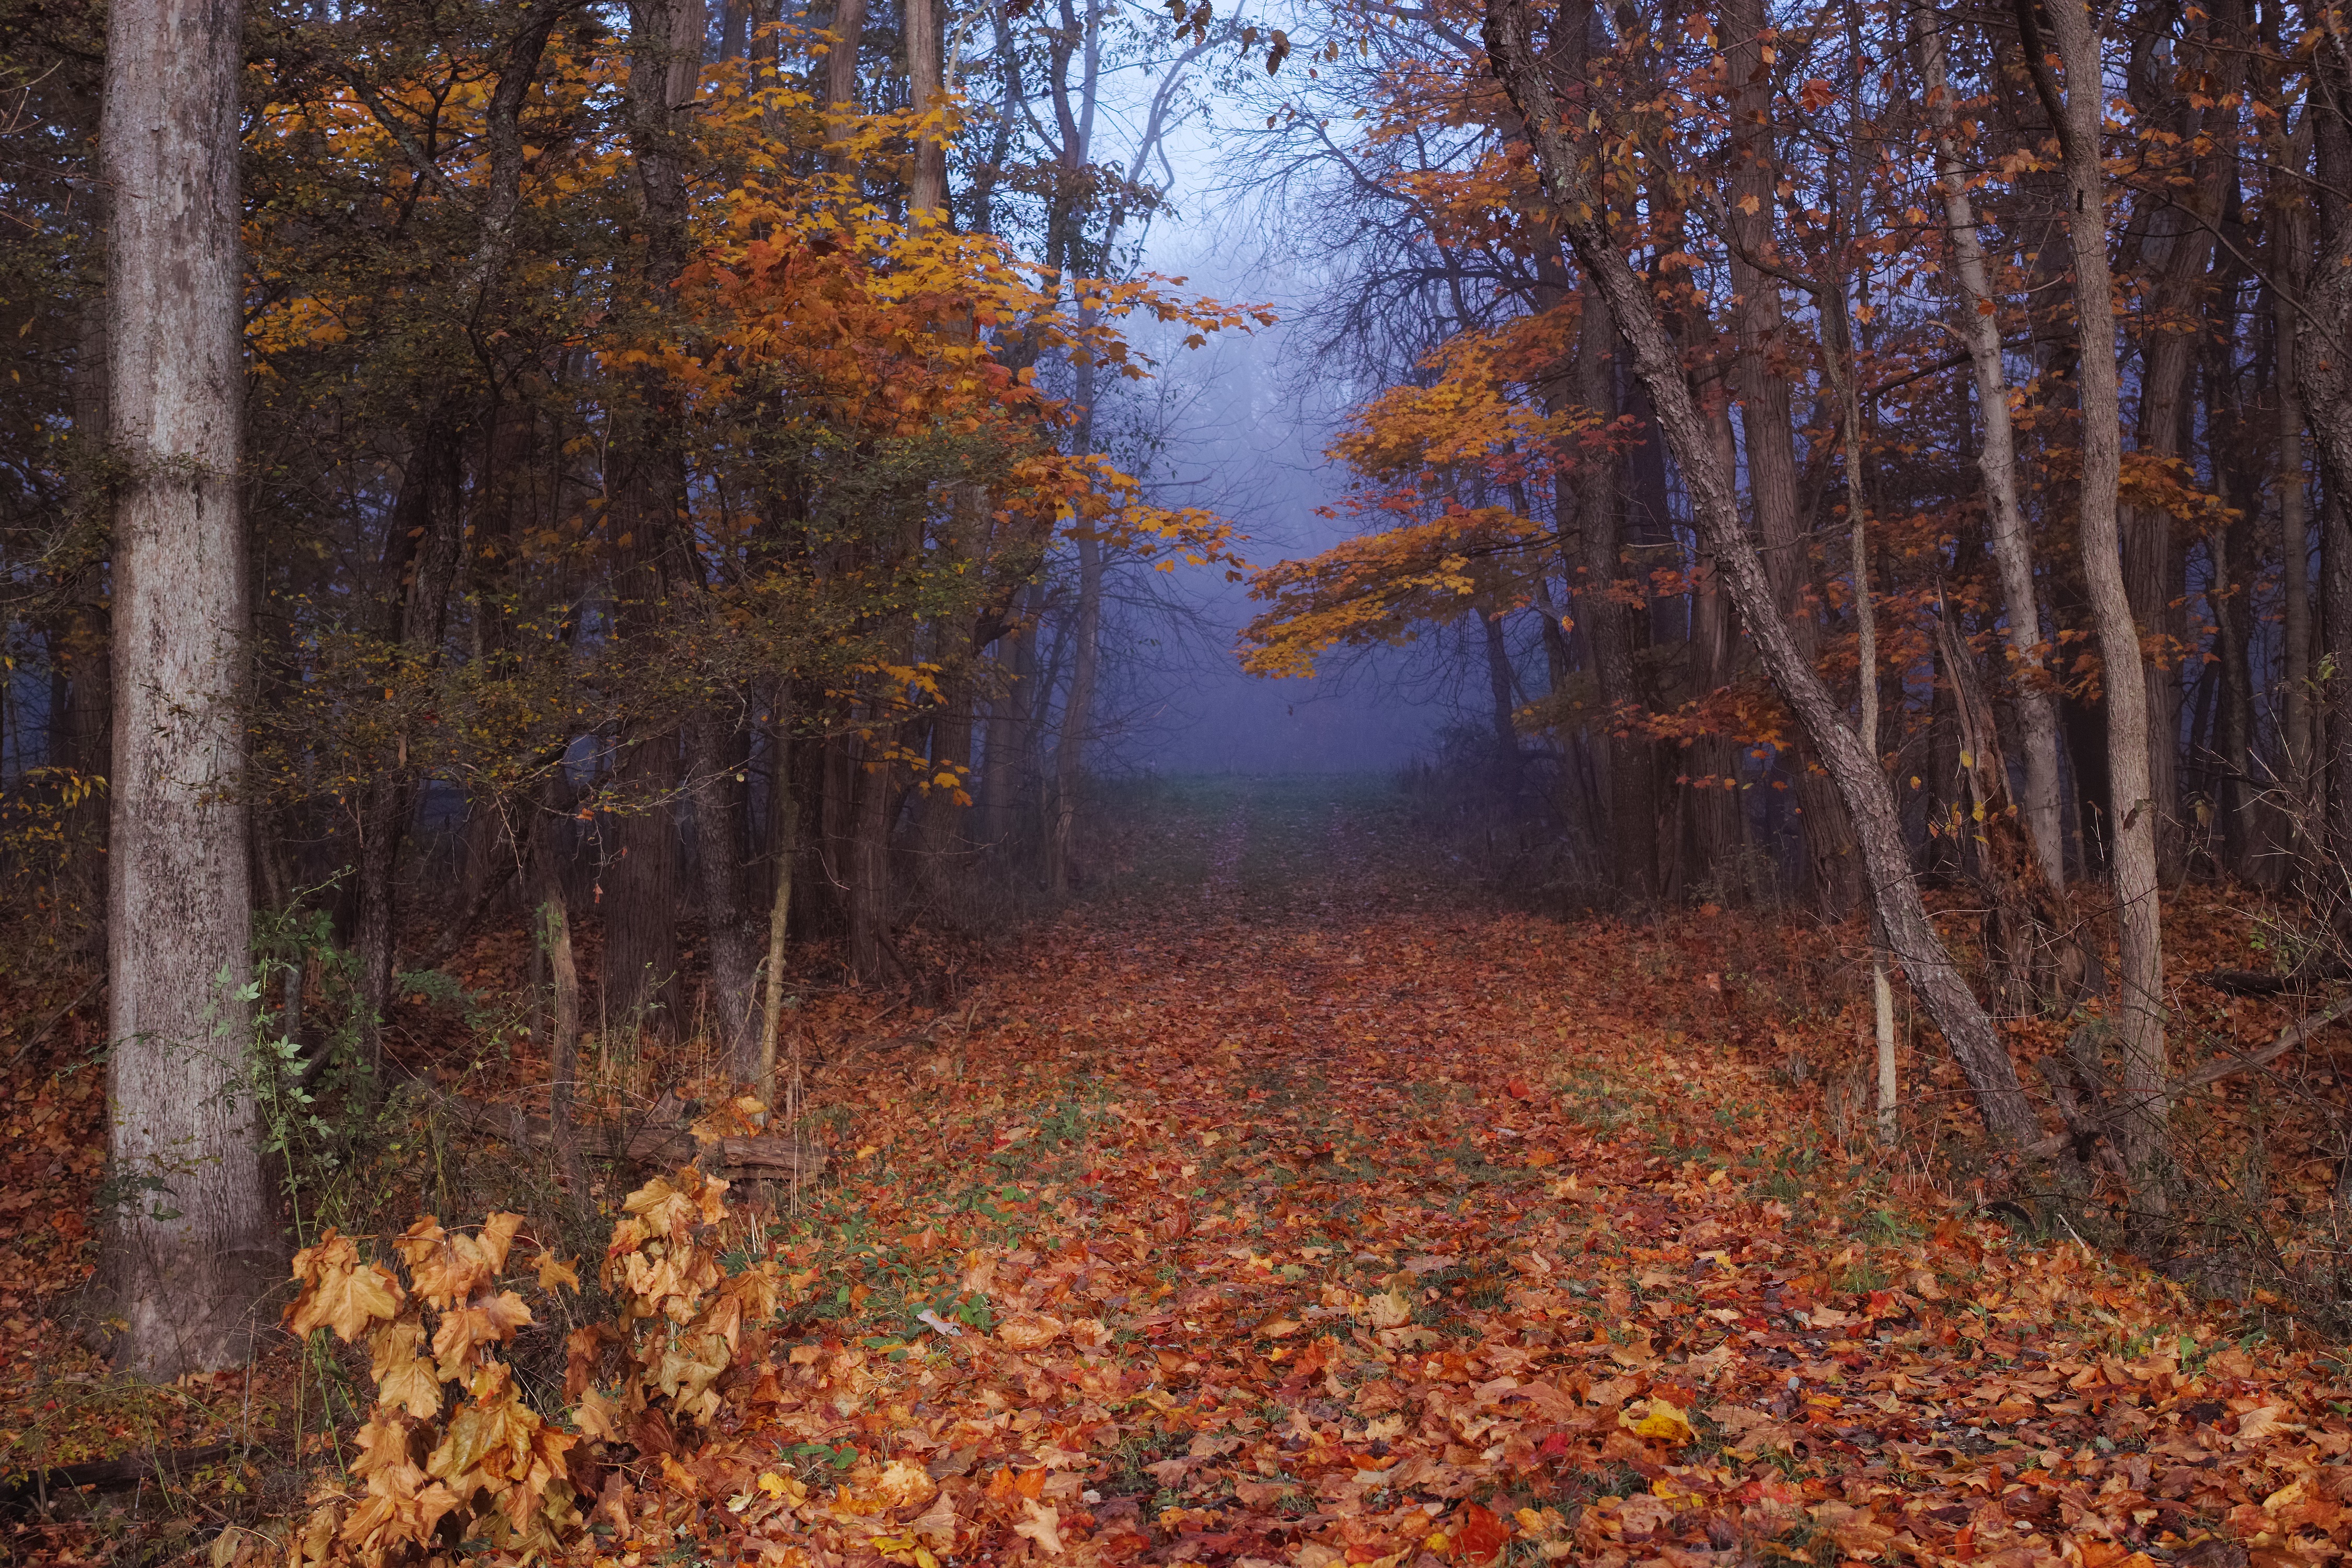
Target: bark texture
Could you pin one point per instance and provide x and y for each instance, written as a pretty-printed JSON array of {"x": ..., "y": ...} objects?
[{"x": 193, "y": 1249}]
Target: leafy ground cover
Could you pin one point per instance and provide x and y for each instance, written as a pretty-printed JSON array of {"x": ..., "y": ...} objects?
[{"x": 1282, "y": 1205}]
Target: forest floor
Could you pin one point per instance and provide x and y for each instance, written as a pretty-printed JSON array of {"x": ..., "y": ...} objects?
[{"x": 1296, "y": 1206}]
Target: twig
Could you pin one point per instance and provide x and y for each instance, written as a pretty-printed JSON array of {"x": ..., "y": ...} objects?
[{"x": 42, "y": 1033}]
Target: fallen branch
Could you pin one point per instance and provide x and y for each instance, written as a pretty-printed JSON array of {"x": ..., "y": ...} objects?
[
  {"x": 2293, "y": 1035},
  {"x": 662, "y": 1141},
  {"x": 2266, "y": 982},
  {"x": 34, "y": 1487}
]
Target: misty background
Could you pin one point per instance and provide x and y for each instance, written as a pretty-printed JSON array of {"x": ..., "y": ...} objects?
[{"x": 1241, "y": 427}]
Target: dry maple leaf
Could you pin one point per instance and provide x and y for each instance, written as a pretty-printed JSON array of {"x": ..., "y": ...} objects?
[
  {"x": 413, "y": 1385},
  {"x": 1041, "y": 1522},
  {"x": 340, "y": 1293},
  {"x": 1663, "y": 1419},
  {"x": 554, "y": 1271},
  {"x": 901, "y": 1484},
  {"x": 1027, "y": 1330},
  {"x": 486, "y": 1321}
]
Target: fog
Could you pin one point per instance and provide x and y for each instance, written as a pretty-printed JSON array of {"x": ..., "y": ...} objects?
[{"x": 1240, "y": 426}]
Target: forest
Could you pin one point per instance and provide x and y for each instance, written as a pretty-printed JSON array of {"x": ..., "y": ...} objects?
[{"x": 601, "y": 962}]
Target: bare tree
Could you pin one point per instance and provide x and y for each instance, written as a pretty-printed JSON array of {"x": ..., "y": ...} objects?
[{"x": 2077, "y": 109}]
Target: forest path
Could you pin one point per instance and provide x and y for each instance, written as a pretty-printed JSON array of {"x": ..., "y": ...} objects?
[{"x": 1298, "y": 1214}]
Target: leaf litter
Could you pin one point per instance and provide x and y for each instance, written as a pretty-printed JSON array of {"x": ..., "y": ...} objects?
[{"x": 1362, "y": 1226}]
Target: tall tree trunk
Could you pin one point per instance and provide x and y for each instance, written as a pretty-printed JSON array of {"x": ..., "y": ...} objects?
[
  {"x": 1077, "y": 714},
  {"x": 1085, "y": 633},
  {"x": 2299, "y": 753},
  {"x": 928, "y": 197},
  {"x": 1010, "y": 715},
  {"x": 946, "y": 806},
  {"x": 784, "y": 846},
  {"x": 847, "y": 27},
  {"x": 732, "y": 934},
  {"x": 1504, "y": 710},
  {"x": 1632, "y": 768},
  {"x": 647, "y": 489},
  {"x": 2324, "y": 370},
  {"x": 1980, "y": 330},
  {"x": 2077, "y": 112},
  {"x": 189, "y": 1258},
  {"x": 1560, "y": 157},
  {"x": 872, "y": 957},
  {"x": 420, "y": 551},
  {"x": 1767, "y": 418}
]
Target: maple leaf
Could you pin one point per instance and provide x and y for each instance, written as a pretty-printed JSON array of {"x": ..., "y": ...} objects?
[
  {"x": 486, "y": 1321},
  {"x": 496, "y": 1237},
  {"x": 1663, "y": 1419},
  {"x": 554, "y": 1271},
  {"x": 1028, "y": 1331},
  {"x": 901, "y": 1484},
  {"x": 598, "y": 1414},
  {"x": 339, "y": 1291},
  {"x": 1478, "y": 1535},
  {"x": 1041, "y": 1522},
  {"x": 584, "y": 1347}
]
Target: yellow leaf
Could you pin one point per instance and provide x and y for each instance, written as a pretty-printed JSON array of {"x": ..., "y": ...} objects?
[
  {"x": 553, "y": 1272},
  {"x": 414, "y": 1386},
  {"x": 1664, "y": 1421},
  {"x": 340, "y": 1293}
]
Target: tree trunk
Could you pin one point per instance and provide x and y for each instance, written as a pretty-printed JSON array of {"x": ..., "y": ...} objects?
[
  {"x": 731, "y": 937},
  {"x": 648, "y": 490},
  {"x": 420, "y": 551},
  {"x": 1010, "y": 717},
  {"x": 927, "y": 198},
  {"x": 2077, "y": 113},
  {"x": 784, "y": 845},
  {"x": 1560, "y": 158},
  {"x": 1504, "y": 710},
  {"x": 871, "y": 956},
  {"x": 1077, "y": 714},
  {"x": 847, "y": 27},
  {"x": 942, "y": 848},
  {"x": 639, "y": 974},
  {"x": 1767, "y": 417},
  {"x": 1600, "y": 528},
  {"x": 2298, "y": 755},
  {"x": 1980, "y": 330},
  {"x": 190, "y": 1256},
  {"x": 2323, "y": 328}
]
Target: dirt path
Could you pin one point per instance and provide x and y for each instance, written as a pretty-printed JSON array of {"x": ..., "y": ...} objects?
[{"x": 1295, "y": 1213}]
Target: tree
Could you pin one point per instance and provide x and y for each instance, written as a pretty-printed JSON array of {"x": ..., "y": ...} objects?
[
  {"x": 1562, "y": 155},
  {"x": 192, "y": 1249},
  {"x": 2077, "y": 110}
]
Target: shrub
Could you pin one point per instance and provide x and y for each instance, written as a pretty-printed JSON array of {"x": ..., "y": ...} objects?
[{"x": 482, "y": 1465}]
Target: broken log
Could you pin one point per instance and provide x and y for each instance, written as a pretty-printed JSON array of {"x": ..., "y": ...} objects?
[{"x": 663, "y": 1140}]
